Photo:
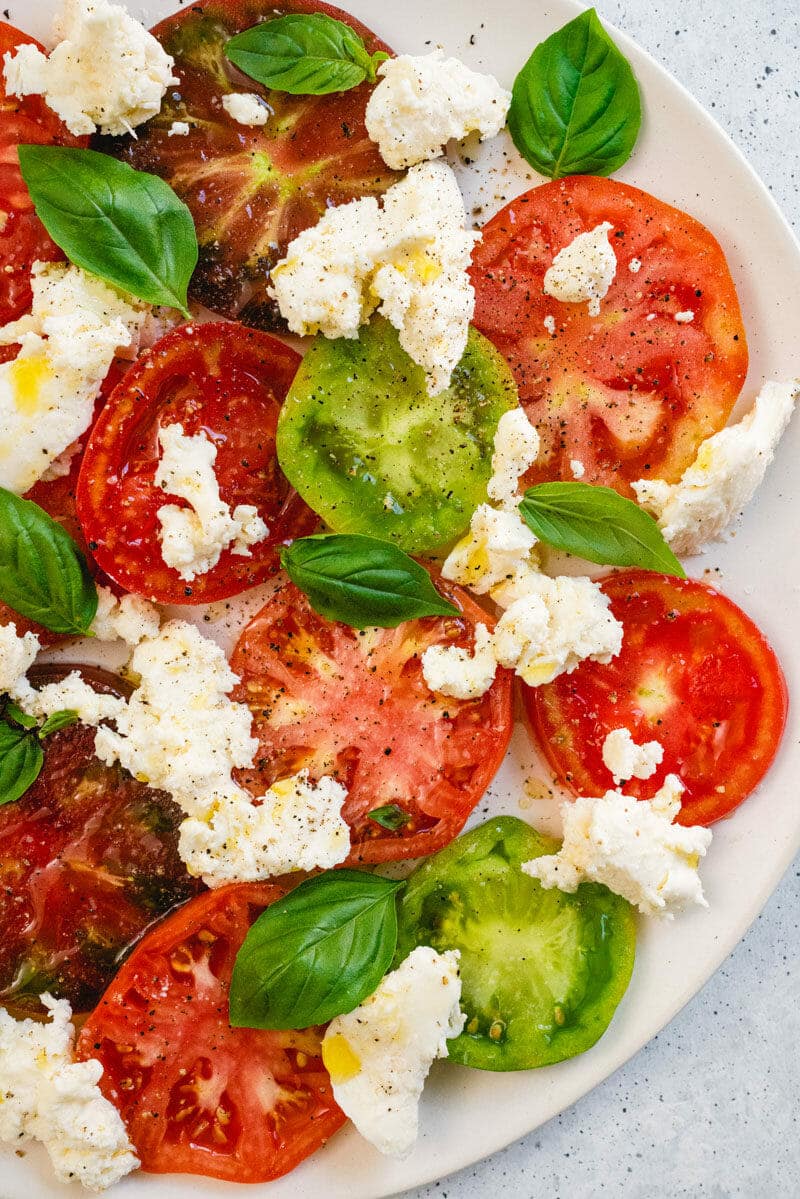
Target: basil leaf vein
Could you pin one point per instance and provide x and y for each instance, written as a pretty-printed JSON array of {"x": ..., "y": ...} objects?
[
  {"x": 599, "y": 525},
  {"x": 575, "y": 106},
  {"x": 316, "y": 953},
  {"x": 362, "y": 581},
  {"x": 21, "y": 758},
  {"x": 125, "y": 226}
]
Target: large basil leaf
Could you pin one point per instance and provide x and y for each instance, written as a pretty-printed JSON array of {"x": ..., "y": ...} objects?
[
  {"x": 125, "y": 226},
  {"x": 316, "y": 953},
  {"x": 575, "y": 106},
  {"x": 21, "y": 758}
]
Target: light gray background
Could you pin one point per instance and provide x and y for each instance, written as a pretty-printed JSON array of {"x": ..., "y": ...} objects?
[{"x": 710, "y": 1107}]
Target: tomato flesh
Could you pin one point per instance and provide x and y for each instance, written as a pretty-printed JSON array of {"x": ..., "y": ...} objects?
[
  {"x": 632, "y": 392},
  {"x": 227, "y": 382},
  {"x": 251, "y": 190},
  {"x": 198, "y": 1096},
  {"x": 353, "y": 704},
  {"x": 694, "y": 673}
]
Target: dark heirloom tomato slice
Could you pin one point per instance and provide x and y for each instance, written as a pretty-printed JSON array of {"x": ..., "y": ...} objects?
[
  {"x": 23, "y": 238},
  {"x": 227, "y": 382},
  {"x": 632, "y": 392},
  {"x": 197, "y": 1096},
  {"x": 88, "y": 860},
  {"x": 353, "y": 704},
  {"x": 251, "y": 190},
  {"x": 694, "y": 674}
]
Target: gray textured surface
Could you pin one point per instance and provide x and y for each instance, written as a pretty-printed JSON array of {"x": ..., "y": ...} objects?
[{"x": 710, "y": 1108}]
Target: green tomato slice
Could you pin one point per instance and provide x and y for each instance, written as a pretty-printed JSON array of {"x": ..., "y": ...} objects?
[
  {"x": 542, "y": 972},
  {"x": 371, "y": 452}
]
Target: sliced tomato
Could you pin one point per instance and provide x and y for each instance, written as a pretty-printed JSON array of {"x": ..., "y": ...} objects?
[
  {"x": 632, "y": 392},
  {"x": 197, "y": 1096},
  {"x": 694, "y": 674},
  {"x": 23, "y": 238},
  {"x": 251, "y": 190},
  {"x": 353, "y": 704},
  {"x": 220, "y": 379},
  {"x": 88, "y": 860}
]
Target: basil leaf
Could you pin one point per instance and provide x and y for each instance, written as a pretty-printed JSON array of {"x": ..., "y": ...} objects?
[
  {"x": 575, "y": 107},
  {"x": 316, "y": 953},
  {"x": 362, "y": 581},
  {"x": 21, "y": 759},
  {"x": 598, "y": 524},
  {"x": 43, "y": 574},
  {"x": 391, "y": 816},
  {"x": 58, "y": 720},
  {"x": 125, "y": 226},
  {"x": 15, "y": 713},
  {"x": 304, "y": 54}
]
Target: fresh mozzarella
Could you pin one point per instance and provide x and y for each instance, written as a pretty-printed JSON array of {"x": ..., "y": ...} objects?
[
  {"x": 631, "y": 846},
  {"x": 46, "y": 1096},
  {"x": 497, "y": 544},
  {"x": 516, "y": 447},
  {"x": 379, "y": 1055},
  {"x": 68, "y": 342},
  {"x": 16, "y": 657},
  {"x": 178, "y": 129},
  {"x": 423, "y": 101},
  {"x": 245, "y": 108},
  {"x": 70, "y": 694},
  {"x": 130, "y": 619},
  {"x": 451, "y": 670},
  {"x": 723, "y": 477},
  {"x": 106, "y": 72},
  {"x": 577, "y": 468},
  {"x": 583, "y": 270},
  {"x": 193, "y": 538},
  {"x": 627, "y": 760}
]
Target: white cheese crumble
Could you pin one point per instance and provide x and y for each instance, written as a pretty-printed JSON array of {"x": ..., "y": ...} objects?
[
  {"x": 577, "y": 468},
  {"x": 245, "y": 108},
  {"x": 178, "y": 129},
  {"x": 193, "y": 538},
  {"x": 67, "y": 344},
  {"x": 130, "y": 619},
  {"x": 583, "y": 270},
  {"x": 424, "y": 101},
  {"x": 16, "y": 657},
  {"x": 451, "y": 670},
  {"x": 379, "y": 1055},
  {"x": 70, "y": 694},
  {"x": 684, "y": 318},
  {"x": 48, "y": 1097},
  {"x": 627, "y": 760},
  {"x": 516, "y": 448},
  {"x": 635, "y": 265},
  {"x": 491, "y": 552},
  {"x": 106, "y": 72},
  {"x": 408, "y": 260},
  {"x": 633, "y": 847},
  {"x": 723, "y": 477},
  {"x": 550, "y": 324}
]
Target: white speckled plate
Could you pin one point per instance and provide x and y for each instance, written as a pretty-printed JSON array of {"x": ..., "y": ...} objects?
[{"x": 685, "y": 159}]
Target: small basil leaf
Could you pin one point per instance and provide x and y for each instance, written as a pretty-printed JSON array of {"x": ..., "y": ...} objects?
[
  {"x": 43, "y": 574},
  {"x": 125, "y": 226},
  {"x": 316, "y": 953},
  {"x": 21, "y": 759},
  {"x": 58, "y": 720},
  {"x": 391, "y": 817},
  {"x": 599, "y": 525},
  {"x": 575, "y": 107},
  {"x": 362, "y": 581},
  {"x": 308, "y": 54},
  {"x": 15, "y": 713}
]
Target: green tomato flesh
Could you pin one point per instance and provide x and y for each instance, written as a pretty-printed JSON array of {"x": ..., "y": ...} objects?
[
  {"x": 542, "y": 972},
  {"x": 371, "y": 452}
]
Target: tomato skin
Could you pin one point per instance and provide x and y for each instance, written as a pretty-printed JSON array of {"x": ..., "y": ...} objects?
[
  {"x": 197, "y": 1096},
  {"x": 355, "y": 705},
  {"x": 219, "y": 378},
  {"x": 694, "y": 673},
  {"x": 632, "y": 392}
]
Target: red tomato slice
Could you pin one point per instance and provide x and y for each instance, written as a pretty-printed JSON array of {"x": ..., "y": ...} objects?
[
  {"x": 251, "y": 190},
  {"x": 88, "y": 860},
  {"x": 630, "y": 393},
  {"x": 355, "y": 705},
  {"x": 228, "y": 382},
  {"x": 197, "y": 1096},
  {"x": 23, "y": 237},
  {"x": 694, "y": 674}
]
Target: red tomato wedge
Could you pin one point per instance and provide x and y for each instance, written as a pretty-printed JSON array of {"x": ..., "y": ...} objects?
[
  {"x": 353, "y": 704},
  {"x": 23, "y": 238},
  {"x": 220, "y": 379},
  {"x": 251, "y": 190},
  {"x": 197, "y": 1096},
  {"x": 88, "y": 860},
  {"x": 631, "y": 393},
  {"x": 694, "y": 674}
]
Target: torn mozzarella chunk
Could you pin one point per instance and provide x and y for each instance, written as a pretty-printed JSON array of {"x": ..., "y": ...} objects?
[
  {"x": 491, "y": 552},
  {"x": 246, "y": 108},
  {"x": 583, "y": 270},
  {"x": 627, "y": 760},
  {"x": 130, "y": 618},
  {"x": 454, "y": 671},
  {"x": 17, "y": 654},
  {"x": 516, "y": 448},
  {"x": 178, "y": 129}
]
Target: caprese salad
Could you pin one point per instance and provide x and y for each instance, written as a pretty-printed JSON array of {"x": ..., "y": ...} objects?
[{"x": 321, "y": 578}]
